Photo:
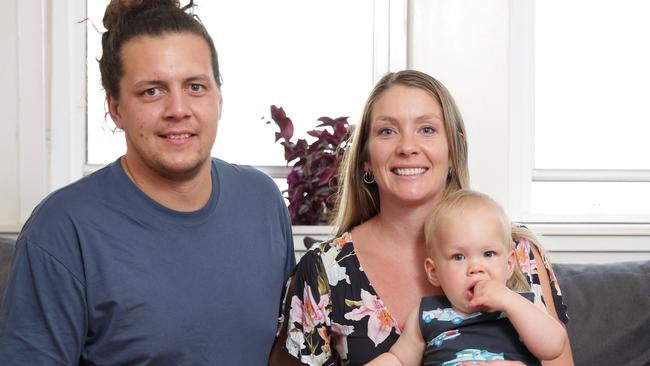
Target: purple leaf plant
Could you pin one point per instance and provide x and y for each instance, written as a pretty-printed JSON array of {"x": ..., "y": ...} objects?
[{"x": 313, "y": 179}]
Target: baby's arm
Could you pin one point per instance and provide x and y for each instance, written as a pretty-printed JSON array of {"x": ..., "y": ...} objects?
[
  {"x": 542, "y": 334},
  {"x": 408, "y": 349}
]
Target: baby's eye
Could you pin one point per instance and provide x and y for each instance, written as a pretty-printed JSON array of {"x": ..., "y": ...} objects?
[
  {"x": 490, "y": 253},
  {"x": 458, "y": 257}
]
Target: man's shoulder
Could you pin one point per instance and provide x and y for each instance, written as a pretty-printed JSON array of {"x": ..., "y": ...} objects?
[
  {"x": 76, "y": 199},
  {"x": 238, "y": 170},
  {"x": 81, "y": 190},
  {"x": 243, "y": 177}
]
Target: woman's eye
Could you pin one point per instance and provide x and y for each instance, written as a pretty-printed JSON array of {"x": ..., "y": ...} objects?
[
  {"x": 458, "y": 257},
  {"x": 490, "y": 253},
  {"x": 386, "y": 132},
  {"x": 428, "y": 130}
]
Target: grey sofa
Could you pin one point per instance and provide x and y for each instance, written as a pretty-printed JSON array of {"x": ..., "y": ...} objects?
[
  {"x": 609, "y": 312},
  {"x": 609, "y": 309}
]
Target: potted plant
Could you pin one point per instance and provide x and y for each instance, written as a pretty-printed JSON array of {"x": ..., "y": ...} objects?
[{"x": 313, "y": 178}]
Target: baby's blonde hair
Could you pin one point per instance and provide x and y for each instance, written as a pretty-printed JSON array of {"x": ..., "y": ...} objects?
[{"x": 464, "y": 198}]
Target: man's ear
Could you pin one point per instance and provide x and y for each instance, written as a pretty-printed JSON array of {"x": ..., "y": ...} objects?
[
  {"x": 220, "y": 106},
  {"x": 430, "y": 269},
  {"x": 114, "y": 110}
]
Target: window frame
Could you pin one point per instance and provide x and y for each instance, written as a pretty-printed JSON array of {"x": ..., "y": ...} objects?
[
  {"x": 389, "y": 54},
  {"x": 522, "y": 107}
]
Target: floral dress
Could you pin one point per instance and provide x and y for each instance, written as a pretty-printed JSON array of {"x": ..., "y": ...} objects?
[{"x": 337, "y": 318}]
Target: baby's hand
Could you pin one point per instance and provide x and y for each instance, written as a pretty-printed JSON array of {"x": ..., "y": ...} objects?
[
  {"x": 489, "y": 295},
  {"x": 492, "y": 363}
]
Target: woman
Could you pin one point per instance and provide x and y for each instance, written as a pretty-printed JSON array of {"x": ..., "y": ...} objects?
[{"x": 350, "y": 296}]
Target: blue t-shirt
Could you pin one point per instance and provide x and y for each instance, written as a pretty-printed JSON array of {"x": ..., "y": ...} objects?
[{"x": 104, "y": 275}]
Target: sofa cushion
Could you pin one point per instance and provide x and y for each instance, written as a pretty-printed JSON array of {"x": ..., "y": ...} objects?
[
  {"x": 609, "y": 312},
  {"x": 6, "y": 253}
]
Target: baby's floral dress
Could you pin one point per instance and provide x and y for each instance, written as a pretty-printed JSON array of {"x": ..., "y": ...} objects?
[{"x": 337, "y": 318}]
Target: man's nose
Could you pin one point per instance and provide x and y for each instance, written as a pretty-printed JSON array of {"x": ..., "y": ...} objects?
[{"x": 177, "y": 105}]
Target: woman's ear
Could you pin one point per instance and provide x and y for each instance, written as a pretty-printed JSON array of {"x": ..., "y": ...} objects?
[{"x": 430, "y": 269}]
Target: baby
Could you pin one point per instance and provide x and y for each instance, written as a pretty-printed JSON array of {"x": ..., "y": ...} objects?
[{"x": 481, "y": 317}]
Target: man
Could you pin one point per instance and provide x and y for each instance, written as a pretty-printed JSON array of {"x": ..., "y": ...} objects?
[{"x": 166, "y": 256}]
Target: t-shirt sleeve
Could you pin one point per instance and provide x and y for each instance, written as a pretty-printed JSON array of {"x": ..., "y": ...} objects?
[
  {"x": 309, "y": 325},
  {"x": 530, "y": 268},
  {"x": 290, "y": 263},
  {"x": 42, "y": 317}
]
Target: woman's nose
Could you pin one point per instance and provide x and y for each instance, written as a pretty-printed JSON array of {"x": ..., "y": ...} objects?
[{"x": 407, "y": 144}]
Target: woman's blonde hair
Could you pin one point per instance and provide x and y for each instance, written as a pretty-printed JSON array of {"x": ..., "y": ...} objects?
[
  {"x": 464, "y": 198},
  {"x": 357, "y": 201}
]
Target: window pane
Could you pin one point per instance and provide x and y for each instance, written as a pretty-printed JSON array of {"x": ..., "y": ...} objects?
[
  {"x": 103, "y": 143},
  {"x": 311, "y": 58},
  {"x": 591, "y": 84},
  {"x": 591, "y": 198},
  {"x": 282, "y": 186}
]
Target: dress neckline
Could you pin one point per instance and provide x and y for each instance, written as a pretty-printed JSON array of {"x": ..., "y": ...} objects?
[{"x": 365, "y": 277}]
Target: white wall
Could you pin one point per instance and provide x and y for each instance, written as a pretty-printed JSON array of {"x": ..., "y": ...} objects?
[
  {"x": 464, "y": 43},
  {"x": 9, "y": 207},
  {"x": 22, "y": 97},
  {"x": 42, "y": 97}
]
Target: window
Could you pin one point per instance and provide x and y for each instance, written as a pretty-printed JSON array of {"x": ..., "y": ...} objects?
[
  {"x": 587, "y": 77},
  {"x": 312, "y": 58}
]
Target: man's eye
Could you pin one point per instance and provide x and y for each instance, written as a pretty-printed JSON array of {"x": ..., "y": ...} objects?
[
  {"x": 151, "y": 92},
  {"x": 458, "y": 257},
  {"x": 196, "y": 88},
  {"x": 490, "y": 253}
]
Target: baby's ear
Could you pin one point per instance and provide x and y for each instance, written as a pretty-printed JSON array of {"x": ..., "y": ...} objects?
[
  {"x": 511, "y": 262},
  {"x": 430, "y": 269}
]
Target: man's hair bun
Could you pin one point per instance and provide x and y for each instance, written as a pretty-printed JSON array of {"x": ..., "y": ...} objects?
[
  {"x": 119, "y": 9},
  {"x": 127, "y": 19}
]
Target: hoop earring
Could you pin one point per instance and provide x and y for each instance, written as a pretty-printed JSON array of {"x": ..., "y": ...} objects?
[{"x": 368, "y": 177}]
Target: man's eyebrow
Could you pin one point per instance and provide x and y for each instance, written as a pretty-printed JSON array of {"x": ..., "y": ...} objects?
[
  {"x": 198, "y": 77},
  {"x": 148, "y": 82}
]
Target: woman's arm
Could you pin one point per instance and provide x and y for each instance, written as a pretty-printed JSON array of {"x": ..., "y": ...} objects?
[
  {"x": 279, "y": 355},
  {"x": 566, "y": 357},
  {"x": 304, "y": 322},
  {"x": 408, "y": 349}
]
